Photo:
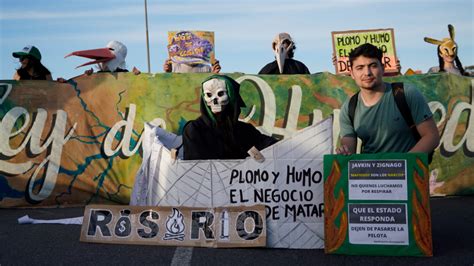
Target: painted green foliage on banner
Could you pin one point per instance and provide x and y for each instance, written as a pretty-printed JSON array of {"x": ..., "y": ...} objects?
[
  {"x": 377, "y": 204},
  {"x": 90, "y": 128}
]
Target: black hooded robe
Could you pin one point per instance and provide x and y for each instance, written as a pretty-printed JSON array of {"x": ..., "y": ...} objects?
[
  {"x": 202, "y": 141},
  {"x": 291, "y": 67},
  {"x": 223, "y": 136}
]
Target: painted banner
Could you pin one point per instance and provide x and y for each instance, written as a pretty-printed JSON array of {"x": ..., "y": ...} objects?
[
  {"x": 343, "y": 42},
  {"x": 191, "y": 47},
  {"x": 288, "y": 182},
  {"x": 175, "y": 226},
  {"x": 80, "y": 143},
  {"x": 377, "y": 204}
]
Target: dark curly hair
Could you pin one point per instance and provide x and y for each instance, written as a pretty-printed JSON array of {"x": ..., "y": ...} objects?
[{"x": 367, "y": 50}]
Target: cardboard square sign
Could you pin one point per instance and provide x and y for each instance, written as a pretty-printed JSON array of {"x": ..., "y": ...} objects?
[
  {"x": 345, "y": 41},
  {"x": 175, "y": 226}
]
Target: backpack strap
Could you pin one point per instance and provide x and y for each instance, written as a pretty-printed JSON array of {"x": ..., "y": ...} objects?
[
  {"x": 401, "y": 101},
  {"x": 352, "y": 107}
]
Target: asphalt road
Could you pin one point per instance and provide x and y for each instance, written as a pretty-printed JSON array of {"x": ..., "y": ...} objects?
[{"x": 56, "y": 244}]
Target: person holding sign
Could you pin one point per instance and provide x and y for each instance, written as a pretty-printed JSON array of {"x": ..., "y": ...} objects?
[
  {"x": 217, "y": 133},
  {"x": 284, "y": 49},
  {"x": 170, "y": 66},
  {"x": 375, "y": 115}
]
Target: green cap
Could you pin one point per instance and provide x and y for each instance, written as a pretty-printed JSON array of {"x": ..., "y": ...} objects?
[{"x": 29, "y": 50}]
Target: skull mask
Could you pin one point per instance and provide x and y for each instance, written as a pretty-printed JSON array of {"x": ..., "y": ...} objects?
[
  {"x": 215, "y": 94},
  {"x": 282, "y": 44}
]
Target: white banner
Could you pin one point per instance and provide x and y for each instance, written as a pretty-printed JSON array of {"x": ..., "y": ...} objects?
[{"x": 289, "y": 183}]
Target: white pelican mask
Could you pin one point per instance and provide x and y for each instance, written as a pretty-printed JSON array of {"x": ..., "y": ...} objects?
[{"x": 109, "y": 58}]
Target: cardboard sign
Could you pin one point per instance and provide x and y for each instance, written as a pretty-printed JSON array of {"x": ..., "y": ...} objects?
[
  {"x": 344, "y": 42},
  {"x": 377, "y": 204},
  {"x": 191, "y": 47},
  {"x": 288, "y": 182},
  {"x": 175, "y": 226}
]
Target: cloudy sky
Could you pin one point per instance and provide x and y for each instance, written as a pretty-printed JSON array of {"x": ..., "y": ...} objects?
[{"x": 243, "y": 29}]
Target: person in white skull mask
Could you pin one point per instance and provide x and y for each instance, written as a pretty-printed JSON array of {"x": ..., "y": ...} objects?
[
  {"x": 108, "y": 59},
  {"x": 284, "y": 49},
  {"x": 217, "y": 133}
]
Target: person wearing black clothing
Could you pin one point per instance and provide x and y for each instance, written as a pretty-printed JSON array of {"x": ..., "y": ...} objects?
[
  {"x": 291, "y": 67},
  {"x": 31, "y": 67},
  {"x": 284, "y": 49},
  {"x": 217, "y": 133}
]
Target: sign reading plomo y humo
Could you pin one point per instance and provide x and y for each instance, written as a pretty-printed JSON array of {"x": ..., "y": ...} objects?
[{"x": 345, "y": 41}]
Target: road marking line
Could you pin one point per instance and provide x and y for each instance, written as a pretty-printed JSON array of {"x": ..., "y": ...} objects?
[{"x": 182, "y": 256}]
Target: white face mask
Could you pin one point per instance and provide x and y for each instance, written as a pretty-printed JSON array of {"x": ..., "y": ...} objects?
[{"x": 215, "y": 95}]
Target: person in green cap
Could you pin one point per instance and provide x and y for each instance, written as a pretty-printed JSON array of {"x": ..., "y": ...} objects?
[
  {"x": 217, "y": 133},
  {"x": 31, "y": 67}
]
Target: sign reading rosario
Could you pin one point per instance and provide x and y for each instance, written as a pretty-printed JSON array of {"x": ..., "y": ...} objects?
[{"x": 175, "y": 226}]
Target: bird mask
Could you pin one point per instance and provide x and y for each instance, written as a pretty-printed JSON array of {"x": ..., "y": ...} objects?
[
  {"x": 282, "y": 44},
  {"x": 109, "y": 58}
]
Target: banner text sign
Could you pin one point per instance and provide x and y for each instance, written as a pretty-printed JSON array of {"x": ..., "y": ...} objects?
[
  {"x": 345, "y": 41},
  {"x": 377, "y": 204},
  {"x": 175, "y": 226}
]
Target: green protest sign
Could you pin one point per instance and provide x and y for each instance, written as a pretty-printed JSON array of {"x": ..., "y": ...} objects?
[
  {"x": 377, "y": 204},
  {"x": 345, "y": 41}
]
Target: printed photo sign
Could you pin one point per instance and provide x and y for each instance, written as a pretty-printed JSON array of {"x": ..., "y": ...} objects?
[
  {"x": 344, "y": 42},
  {"x": 191, "y": 47},
  {"x": 377, "y": 204},
  {"x": 175, "y": 226}
]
